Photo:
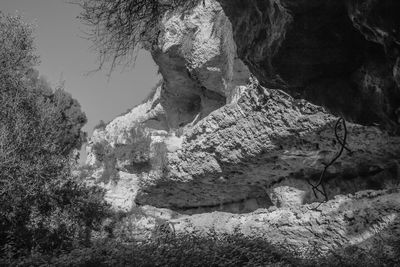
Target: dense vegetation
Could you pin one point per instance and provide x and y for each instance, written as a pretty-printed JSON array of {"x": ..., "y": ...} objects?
[
  {"x": 193, "y": 249},
  {"x": 43, "y": 208}
]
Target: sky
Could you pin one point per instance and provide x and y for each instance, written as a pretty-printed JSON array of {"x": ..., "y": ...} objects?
[{"x": 66, "y": 55}]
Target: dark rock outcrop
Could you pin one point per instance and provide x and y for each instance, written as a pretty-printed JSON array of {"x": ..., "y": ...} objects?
[{"x": 341, "y": 54}]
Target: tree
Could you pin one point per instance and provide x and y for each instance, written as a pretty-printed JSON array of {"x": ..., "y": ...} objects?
[
  {"x": 17, "y": 51},
  {"x": 42, "y": 207}
]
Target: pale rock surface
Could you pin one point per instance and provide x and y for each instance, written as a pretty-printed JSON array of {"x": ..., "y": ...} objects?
[
  {"x": 286, "y": 196},
  {"x": 211, "y": 138},
  {"x": 142, "y": 222},
  {"x": 215, "y": 139},
  {"x": 200, "y": 43},
  {"x": 262, "y": 140},
  {"x": 368, "y": 219},
  {"x": 122, "y": 194}
]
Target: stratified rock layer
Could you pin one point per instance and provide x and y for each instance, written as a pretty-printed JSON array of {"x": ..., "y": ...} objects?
[
  {"x": 368, "y": 220},
  {"x": 261, "y": 141},
  {"x": 210, "y": 137},
  {"x": 244, "y": 122}
]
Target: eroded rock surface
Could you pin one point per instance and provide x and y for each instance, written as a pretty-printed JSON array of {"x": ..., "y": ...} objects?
[
  {"x": 265, "y": 138},
  {"x": 369, "y": 220},
  {"x": 341, "y": 54},
  {"x": 212, "y": 137},
  {"x": 244, "y": 122}
]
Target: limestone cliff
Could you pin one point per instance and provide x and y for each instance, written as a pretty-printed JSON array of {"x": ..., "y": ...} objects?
[
  {"x": 341, "y": 54},
  {"x": 245, "y": 116},
  {"x": 368, "y": 220}
]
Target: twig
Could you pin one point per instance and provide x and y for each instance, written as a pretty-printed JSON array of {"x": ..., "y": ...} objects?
[{"x": 320, "y": 186}]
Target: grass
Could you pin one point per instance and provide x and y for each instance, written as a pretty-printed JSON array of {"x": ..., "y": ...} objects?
[
  {"x": 180, "y": 250},
  {"x": 192, "y": 249}
]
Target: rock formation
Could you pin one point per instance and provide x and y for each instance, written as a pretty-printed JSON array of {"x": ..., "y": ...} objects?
[
  {"x": 342, "y": 54},
  {"x": 245, "y": 119},
  {"x": 368, "y": 220}
]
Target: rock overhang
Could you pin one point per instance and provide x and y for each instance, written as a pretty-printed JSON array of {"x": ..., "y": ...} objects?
[{"x": 239, "y": 139}]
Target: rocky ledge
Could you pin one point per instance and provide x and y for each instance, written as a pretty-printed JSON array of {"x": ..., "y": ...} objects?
[{"x": 258, "y": 98}]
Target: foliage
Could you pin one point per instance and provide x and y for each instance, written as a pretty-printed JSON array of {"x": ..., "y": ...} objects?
[
  {"x": 110, "y": 172},
  {"x": 195, "y": 249},
  {"x": 137, "y": 138},
  {"x": 17, "y": 50},
  {"x": 159, "y": 161},
  {"x": 105, "y": 154},
  {"x": 102, "y": 150},
  {"x": 100, "y": 126},
  {"x": 140, "y": 140},
  {"x": 355, "y": 256},
  {"x": 42, "y": 208},
  {"x": 181, "y": 250},
  {"x": 118, "y": 27},
  {"x": 137, "y": 150}
]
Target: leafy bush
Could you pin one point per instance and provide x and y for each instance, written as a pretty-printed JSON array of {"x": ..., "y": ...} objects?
[
  {"x": 193, "y": 249},
  {"x": 102, "y": 150},
  {"x": 355, "y": 256},
  {"x": 181, "y": 250},
  {"x": 133, "y": 154},
  {"x": 140, "y": 140},
  {"x": 110, "y": 172},
  {"x": 17, "y": 50},
  {"x": 101, "y": 125},
  {"x": 42, "y": 207},
  {"x": 105, "y": 154}
]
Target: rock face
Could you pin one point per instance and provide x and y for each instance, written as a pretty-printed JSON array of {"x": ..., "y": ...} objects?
[
  {"x": 369, "y": 220},
  {"x": 339, "y": 54},
  {"x": 237, "y": 151},
  {"x": 210, "y": 136},
  {"x": 246, "y": 114}
]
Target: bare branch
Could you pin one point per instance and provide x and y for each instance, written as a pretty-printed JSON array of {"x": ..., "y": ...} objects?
[{"x": 117, "y": 28}]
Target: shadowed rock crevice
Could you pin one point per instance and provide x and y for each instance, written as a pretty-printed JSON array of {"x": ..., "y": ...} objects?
[
  {"x": 266, "y": 138},
  {"x": 256, "y": 200},
  {"x": 338, "y": 54},
  {"x": 183, "y": 97}
]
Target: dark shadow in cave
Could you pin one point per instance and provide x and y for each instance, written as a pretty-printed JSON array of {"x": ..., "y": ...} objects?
[{"x": 323, "y": 56}]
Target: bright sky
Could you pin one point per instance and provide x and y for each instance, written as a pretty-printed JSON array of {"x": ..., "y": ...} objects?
[{"x": 65, "y": 55}]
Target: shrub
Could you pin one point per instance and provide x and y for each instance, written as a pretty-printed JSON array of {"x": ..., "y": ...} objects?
[
  {"x": 159, "y": 159},
  {"x": 102, "y": 150},
  {"x": 17, "y": 50},
  {"x": 135, "y": 152},
  {"x": 168, "y": 248},
  {"x": 42, "y": 207},
  {"x": 101, "y": 125},
  {"x": 140, "y": 141},
  {"x": 110, "y": 172},
  {"x": 105, "y": 153},
  {"x": 181, "y": 250}
]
